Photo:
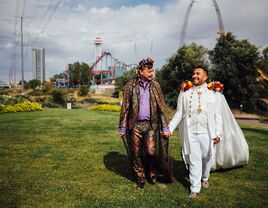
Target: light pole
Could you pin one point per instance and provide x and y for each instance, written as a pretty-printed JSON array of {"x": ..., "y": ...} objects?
[{"x": 22, "y": 63}]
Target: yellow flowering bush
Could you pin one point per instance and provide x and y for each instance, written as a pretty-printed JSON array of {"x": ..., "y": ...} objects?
[
  {"x": 106, "y": 107},
  {"x": 20, "y": 107}
]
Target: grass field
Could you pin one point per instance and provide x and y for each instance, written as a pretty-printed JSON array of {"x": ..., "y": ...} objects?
[{"x": 75, "y": 158}]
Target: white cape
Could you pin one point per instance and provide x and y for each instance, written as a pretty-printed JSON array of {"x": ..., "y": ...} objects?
[{"x": 233, "y": 150}]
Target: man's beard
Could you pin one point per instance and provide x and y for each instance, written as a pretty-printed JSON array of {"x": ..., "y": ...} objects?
[{"x": 197, "y": 83}]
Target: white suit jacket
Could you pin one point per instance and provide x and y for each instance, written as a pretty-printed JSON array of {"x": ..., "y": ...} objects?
[
  {"x": 233, "y": 150},
  {"x": 183, "y": 119}
]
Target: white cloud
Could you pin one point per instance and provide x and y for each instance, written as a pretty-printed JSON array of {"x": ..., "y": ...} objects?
[
  {"x": 80, "y": 8},
  {"x": 68, "y": 36},
  {"x": 83, "y": 30},
  {"x": 9, "y": 45}
]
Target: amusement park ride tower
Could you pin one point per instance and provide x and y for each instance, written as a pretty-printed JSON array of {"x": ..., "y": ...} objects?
[
  {"x": 106, "y": 68},
  {"x": 98, "y": 42}
]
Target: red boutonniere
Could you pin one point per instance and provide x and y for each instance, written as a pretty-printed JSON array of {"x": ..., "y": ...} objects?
[
  {"x": 186, "y": 85},
  {"x": 216, "y": 86}
]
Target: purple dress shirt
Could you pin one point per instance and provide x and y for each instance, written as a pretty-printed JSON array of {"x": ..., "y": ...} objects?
[{"x": 144, "y": 105}]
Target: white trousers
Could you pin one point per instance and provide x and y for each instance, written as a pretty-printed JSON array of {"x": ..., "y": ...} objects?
[{"x": 200, "y": 160}]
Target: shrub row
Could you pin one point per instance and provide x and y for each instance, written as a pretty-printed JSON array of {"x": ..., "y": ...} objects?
[
  {"x": 10, "y": 100},
  {"x": 106, "y": 107},
  {"x": 20, "y": 107}
]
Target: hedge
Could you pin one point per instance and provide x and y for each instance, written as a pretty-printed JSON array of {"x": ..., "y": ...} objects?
[
  {"x": 106, "y": 107},
  {"x": 20, "y": 107}
]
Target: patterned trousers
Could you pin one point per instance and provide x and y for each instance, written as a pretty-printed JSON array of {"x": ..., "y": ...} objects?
[{"x": 143, "y": 138}]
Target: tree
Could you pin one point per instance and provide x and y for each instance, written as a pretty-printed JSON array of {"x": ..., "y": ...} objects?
[
  {"x": 234, "y": 63},
  {"x": 24, "y": 82},
  {"x": 59, "y": 96},
  {"x": 85, "y": 74},
  {"x": 47, "y": 87},
  {"x": 121, "y": 81},
  {"x": 83, "y": 90},
  {"x": 58, "y": 76},
  {"x": 33, "y": 84},
  {"x": 98, "y": 78},
  {"x": 179, "y": 68},
  {"x": 264, "y": 61},
  {"x": 262, "y": 79},
  {"x": 79, "y": 72}
]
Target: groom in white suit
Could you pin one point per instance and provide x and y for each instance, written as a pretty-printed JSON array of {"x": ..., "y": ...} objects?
[{"x": 200, "y": 123}]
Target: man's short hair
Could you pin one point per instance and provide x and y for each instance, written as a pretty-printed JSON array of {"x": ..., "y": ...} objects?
[
  {"x": 145, "y": 62},
  {"x": 199, "y": 66}
]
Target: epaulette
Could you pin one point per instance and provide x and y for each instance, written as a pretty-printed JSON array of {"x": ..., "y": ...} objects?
[
  {"x": 215, "y": 86},
  {"x": 186, "y": 85}
]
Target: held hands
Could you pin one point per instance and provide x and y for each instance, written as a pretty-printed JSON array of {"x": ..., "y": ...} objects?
[
  {"x": 216, "y": 140},
  {"x": 122, "y": 134},
  {"x": 165, "y": 134}
]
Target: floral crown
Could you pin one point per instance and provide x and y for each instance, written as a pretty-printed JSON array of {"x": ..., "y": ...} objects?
[{"x": 215, "y": 86}]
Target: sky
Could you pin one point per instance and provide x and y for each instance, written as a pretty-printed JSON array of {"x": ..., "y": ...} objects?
[{"x": 131, "y": 29}]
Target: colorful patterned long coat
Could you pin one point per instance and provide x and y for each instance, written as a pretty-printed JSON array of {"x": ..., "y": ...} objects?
[{"x": 129, "y": 115}]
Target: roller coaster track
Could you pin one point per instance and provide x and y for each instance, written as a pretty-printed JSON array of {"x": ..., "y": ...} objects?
[{"x": 108, "y": 70}]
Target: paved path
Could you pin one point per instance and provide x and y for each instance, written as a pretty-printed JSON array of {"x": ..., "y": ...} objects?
[
  {"x": 252, "y": 123},
  {"x": 250, "y": 119}
]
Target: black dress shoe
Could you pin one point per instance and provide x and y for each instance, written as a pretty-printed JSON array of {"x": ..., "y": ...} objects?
[
  {"x": 168, "y": 180},
  {"x": 140, "y": 185},
  {"x": 153, "y": 180}
]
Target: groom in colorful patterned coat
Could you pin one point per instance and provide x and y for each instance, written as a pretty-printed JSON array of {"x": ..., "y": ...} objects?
[{"x": 143, "y": 125}]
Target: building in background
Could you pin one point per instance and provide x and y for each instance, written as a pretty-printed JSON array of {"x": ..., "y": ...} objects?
[{"x": 38, "y": 66}]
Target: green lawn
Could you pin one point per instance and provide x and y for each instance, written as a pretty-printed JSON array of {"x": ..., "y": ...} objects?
[{"x": 75, "y": 158}]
